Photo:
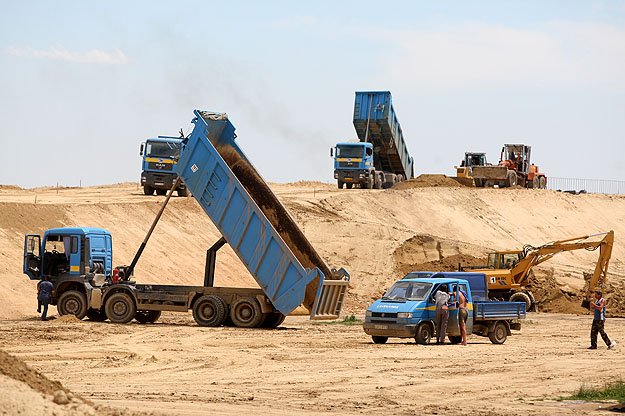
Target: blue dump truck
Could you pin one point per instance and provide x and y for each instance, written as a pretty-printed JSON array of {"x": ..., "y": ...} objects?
[
  {"x": 407, "y": 309},
  {"x": 288, "y": 270},
  {"x": 160, "y": 156},
  {"x": 380, "y": 159}
]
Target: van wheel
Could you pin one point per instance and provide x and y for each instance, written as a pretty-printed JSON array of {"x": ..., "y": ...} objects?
[
  {"x": 499, "y": 333},
  {"x": 455, "y": 339},
  {"x": 273, "y": 320},
  {"x": 424, "y": 334},
  {"x": 73, "y": 302},
  {"x": 96, "y": 315},
  {"x": 147, "y": 317},
  {"x": 246, "y": 313},
  {"x": 209, "y": 310},
  {"x": 120, "y": 308},
  {"x": 379, "y": 340}
]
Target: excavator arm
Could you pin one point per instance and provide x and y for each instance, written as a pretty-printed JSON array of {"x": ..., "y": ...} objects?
[{"x": 537, "y": 255}]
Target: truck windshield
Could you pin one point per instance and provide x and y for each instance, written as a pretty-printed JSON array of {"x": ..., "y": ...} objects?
[
  {"x": 162, "y": 149},
  {"x": 349, "y": 151},
  {"x": 408, "y": 291}
]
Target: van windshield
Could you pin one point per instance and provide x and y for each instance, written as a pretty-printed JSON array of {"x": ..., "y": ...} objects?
[{"x": 408, "y": 291}]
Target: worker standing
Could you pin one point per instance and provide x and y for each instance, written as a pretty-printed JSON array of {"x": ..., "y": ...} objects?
[
  {"x": 463, "y": 315},
  {"x": 442, "y": 314},
  {"x": 598, "y": 322},
  {"x": 46, "y": 290}
]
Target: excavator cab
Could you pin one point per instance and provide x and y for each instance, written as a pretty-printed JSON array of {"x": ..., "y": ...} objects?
[{"x": 504, "y": 259}]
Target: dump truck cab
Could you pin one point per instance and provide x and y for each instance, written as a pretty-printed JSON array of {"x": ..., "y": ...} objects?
[
  {"x": 353, "y": 164},
  {"x": 160, "y": 155}
]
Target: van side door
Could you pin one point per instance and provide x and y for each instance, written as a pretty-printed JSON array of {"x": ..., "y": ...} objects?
[
  {"x": 32, "y": 256},
  {"x": 453, "y": 327},
  {"x": 469, "y": 324}
]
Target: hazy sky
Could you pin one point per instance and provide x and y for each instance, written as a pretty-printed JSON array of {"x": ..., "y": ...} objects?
[{"x": 84, "y": 83}]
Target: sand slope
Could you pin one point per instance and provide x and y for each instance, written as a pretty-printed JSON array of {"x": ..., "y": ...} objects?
[{"x": 377, "y": 235}]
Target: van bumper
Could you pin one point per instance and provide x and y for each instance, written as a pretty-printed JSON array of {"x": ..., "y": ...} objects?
[{"x": 390, "y": 330}]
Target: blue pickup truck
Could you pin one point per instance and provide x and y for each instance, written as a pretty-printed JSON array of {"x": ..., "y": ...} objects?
[{"x": 407, "y": 309}]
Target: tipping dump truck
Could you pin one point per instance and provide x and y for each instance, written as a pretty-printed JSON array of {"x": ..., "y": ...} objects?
[
  {"x": 514, "y": 168},
  {"x": 160, "y": 156},
  {"x": 287, "y": 268},
  {"x": 407, "y": 309},
  {"x": 380, "y": 159}
]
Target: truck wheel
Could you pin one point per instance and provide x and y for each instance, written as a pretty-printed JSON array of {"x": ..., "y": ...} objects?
[
  {"x": 73, "y": 302},
  {"x": 96, "y": 315},
  {"x": 478, "y": 183},
  {"x": 209, "y": 310},
  {"x": 522, "y": 297},
  {"x": 377, "y": 183},
  {"x": 349, "y": 185},
  {"x": 183, "y": 192},
  {"x": 455, "y": 339},
  {"x": 273, "y": 320},
  {"x": 147, "y": 317},
  {"x": 340, "y": 184},
  {"x": 534, "y": 183},
  {"x": 120, "y": 308},
  {"x": 499, "y": 333},
  {"x": 542, "y": 182},
  {"x": 379, "y": 340},
  {"x": 245, "y": 313},
  {"x": 424, "y": 334},
  {"x": 161, "y": 192},
  {"x": 148, "y": 190},
  {"x": 511, "y": 179}
]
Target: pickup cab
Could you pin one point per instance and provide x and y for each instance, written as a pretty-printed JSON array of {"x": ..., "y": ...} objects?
[{"x": 408, "y": 309}]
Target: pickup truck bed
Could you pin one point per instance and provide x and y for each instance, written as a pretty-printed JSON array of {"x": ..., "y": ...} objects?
[{"x": 489, "y": 311}]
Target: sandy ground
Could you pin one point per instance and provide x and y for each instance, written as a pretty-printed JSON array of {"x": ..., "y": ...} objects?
[{"x": 175, "y": 367}]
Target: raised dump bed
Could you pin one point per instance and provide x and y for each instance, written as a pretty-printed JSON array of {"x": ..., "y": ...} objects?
[{"x": 254, "y": 222}]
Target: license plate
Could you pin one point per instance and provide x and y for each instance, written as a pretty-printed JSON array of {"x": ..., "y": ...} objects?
[{"x": 380, "y": 326}]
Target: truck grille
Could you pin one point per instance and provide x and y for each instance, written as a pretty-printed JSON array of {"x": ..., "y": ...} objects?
[
  {"x": 160, "y": 166},
  {"x": 383, "y": 315},
  {"x": 348, "y": 164}
]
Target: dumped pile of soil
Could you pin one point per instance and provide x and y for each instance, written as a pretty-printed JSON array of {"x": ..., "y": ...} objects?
[
  {"x": 16, "y": 369},
  {"x": 426, "y": 181}
]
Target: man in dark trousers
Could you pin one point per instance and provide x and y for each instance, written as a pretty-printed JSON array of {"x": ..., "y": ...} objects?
[
  {"x": 598, "y": 306},
  {"x": 46, "y": 290}
]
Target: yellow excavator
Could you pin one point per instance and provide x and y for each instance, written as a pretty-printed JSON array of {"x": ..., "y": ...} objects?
[{"x": 507, "y": 271}]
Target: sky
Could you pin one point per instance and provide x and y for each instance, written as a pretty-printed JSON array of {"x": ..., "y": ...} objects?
[{"x": 84, "y": 83}]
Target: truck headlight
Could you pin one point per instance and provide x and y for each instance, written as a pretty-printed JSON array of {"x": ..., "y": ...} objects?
[
  {"x": 404, "y": 315},
  {"x": 369, "y": 313},
  {"x": 336, "y": 176}
]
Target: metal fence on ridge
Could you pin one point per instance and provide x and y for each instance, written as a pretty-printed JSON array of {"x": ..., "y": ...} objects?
[{"x": 591, "y": 186}]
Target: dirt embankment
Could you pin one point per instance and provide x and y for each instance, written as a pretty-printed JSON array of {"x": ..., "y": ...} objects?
[{"x": 432, "y": 180}]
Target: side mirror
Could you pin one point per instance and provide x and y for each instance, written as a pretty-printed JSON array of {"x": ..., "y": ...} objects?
[
  {"x": 141, "y": 150},
  {"x": 331, "y": 152}
]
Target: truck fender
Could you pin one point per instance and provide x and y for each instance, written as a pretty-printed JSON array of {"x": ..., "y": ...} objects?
[
  {"x": 491, "y": 326},
  {"x": 265, "y": 305},
  {"x": 71, "y": 283}
]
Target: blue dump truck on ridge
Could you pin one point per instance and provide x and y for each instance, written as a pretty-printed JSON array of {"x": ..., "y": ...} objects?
[
  {"x": 407, "y": 309},
  {"x": 288, "y": 270},
  {"x": 380, "y": 159},
  {"x": 160, "y": 156}
]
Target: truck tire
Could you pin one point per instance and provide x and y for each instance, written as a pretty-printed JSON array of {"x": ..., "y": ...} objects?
[
  {"x": 377, "y": 183},
  {"x": 148, "y": 190},
  {"x": 499, "y": 333},
  {"x": 246, "y": 313},
  {"x": 340, "y": 184},
  {"x": 379, "y": 340},
  {"x": 161, "y": 192},
  {"x": 371, "y": 180},
  {"x": 424, "y": 334},
  {"x": 147, "y": 317},
  {"x": 120, "y": 308},
  {"x": 183, "y": 192},
  {"x": 479, "y": 183},
  {"x": 74, "y": 303},
  {"x": 522, "y": 297},
  {"x": 273, "y": 320},
  {"x": 349, "y": 185},
  {"x": 96, "y": 315},
  {"x": 542, "y": 182},
  {"x": 511, "y": 180},
  {"x": 455, "y": 339},
  {"x": 209, "y": 310},
  {"x": 534, "y": 183}
]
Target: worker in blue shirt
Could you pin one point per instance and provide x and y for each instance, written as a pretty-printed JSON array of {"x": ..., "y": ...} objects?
[{"x": 46, "y": 290}]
